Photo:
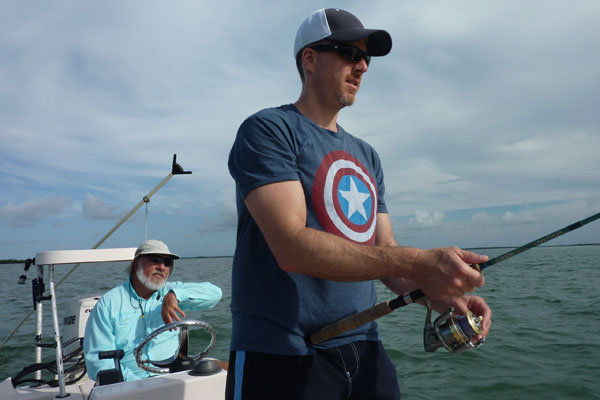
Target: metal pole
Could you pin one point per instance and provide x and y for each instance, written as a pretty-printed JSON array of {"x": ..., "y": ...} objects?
[
  {"x": 39, "y": 325},
  {"x": 59, "y": 358},
  {"x": 145, "y": 199},
  {"x": 176, "y": 169}
]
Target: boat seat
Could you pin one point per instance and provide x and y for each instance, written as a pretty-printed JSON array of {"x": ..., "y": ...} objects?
[
  {"x": 113, "y": 375},
  {"x": 108, "y": 377}
]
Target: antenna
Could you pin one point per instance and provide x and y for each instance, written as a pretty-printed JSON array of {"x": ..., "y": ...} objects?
[{"x": 178, "y": 169}]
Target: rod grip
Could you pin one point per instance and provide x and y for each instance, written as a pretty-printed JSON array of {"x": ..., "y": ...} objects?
[{"x": 351, "y": 322}]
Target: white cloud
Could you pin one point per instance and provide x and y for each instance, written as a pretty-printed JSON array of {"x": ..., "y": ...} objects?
[
  {"x": 95, "y": 208},
  {"x": 479, "y": 104},
  {"x": 508, "y": 216},
  {"x": 27, "y": 214},
  {"x": 483, "y": 218},
  {"x": 427, "y": 218},
  {"x": 527, "y": 216}
]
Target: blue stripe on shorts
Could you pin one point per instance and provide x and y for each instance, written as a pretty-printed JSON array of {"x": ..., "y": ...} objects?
[{"x": 240, "y": 359}]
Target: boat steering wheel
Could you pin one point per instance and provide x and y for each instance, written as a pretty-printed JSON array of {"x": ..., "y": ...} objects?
[{"x": 181, "y": 357}]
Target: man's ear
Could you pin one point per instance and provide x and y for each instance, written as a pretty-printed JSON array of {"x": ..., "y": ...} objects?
[
  {"x": 134, "y": 265},
  {"x": 309, "y": 59}
]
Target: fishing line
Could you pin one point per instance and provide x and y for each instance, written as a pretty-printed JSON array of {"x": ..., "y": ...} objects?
[
  {"x": 176, "y": 169},
  {"x": 386, "y": 307}
]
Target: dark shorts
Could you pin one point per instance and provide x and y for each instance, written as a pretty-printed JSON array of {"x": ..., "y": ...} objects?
[{"x": 360, "y": 370}]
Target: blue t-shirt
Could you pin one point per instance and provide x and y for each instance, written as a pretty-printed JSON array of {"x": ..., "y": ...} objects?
[{"x": 275, "y": 311}]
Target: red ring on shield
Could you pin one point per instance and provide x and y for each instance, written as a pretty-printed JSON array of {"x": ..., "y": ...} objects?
[
  {"x": 326, "y": 205},
  {"x": 338, "y": 207}
]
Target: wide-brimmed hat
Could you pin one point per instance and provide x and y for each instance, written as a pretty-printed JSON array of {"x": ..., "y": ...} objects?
[
  {"x": 341, "y": 26},
  {"x": 153, "y": 246}
]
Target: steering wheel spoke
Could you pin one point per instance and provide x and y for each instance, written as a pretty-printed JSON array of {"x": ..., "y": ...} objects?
[{"x": 181, "y": 355}]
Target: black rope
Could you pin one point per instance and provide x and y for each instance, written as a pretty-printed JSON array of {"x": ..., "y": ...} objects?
[{"x": 75, "y": 357}]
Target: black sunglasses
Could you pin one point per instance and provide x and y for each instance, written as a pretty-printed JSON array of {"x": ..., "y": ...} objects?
[
  {"x": 350, "y": 53},
  {"x": 158, "y": 260}
]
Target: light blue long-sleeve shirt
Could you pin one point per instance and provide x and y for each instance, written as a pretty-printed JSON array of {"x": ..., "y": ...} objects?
[{"x": 121, "y": 320}]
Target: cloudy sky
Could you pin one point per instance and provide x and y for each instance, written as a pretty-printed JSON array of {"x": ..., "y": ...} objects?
[{"x": 486, "y": 116}]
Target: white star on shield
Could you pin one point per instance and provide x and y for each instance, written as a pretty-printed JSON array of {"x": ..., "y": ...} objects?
[{"x": 355, "y": 199}]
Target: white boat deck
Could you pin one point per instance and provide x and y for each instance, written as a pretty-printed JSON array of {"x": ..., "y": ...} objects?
[
  {"x": 179, "y": 386},
  {"x": 78, "y": 391}
]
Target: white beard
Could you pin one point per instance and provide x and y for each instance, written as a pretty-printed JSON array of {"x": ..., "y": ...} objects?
[{"x": 147, "y": 282}]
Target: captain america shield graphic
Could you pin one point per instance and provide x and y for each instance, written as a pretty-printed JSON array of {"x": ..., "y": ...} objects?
[{"x": 345, "y": 198}]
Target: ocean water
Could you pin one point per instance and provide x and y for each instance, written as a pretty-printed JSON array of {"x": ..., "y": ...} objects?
[{"x": 543, "y": 343}]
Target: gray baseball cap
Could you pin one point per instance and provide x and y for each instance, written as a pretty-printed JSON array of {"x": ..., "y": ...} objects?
[
  {"x": 154, "y": 247},
  {"x": 341, "y": 26}
]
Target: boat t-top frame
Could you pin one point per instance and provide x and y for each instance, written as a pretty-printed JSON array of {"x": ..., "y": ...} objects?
[{"x": 64, "y": 257}]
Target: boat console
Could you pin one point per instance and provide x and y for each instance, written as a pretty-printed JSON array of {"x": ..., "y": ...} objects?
[{"x": 179, "y": 385}]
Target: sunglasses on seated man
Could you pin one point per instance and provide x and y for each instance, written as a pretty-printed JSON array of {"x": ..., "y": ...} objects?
[
  {"x": 158, "y": 260},
  {"x": 349, "y": 53}
]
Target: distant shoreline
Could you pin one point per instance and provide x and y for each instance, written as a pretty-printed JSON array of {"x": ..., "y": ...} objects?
[
  {"x": 14, "y": 261},
  {"x": 207, "y": 257}
]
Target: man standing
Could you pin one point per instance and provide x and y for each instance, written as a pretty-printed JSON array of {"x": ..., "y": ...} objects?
[
  {"x": 313, "y": 234},
  {"x": 126, "y": 314}
]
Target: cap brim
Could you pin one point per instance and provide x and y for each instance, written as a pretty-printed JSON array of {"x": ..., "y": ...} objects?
[
  {"x": 171, "y": 255},
  {"x": 379, "y": 42}
]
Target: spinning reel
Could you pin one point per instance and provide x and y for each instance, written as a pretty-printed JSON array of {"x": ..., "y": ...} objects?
[{"x": 454, "y": 332}]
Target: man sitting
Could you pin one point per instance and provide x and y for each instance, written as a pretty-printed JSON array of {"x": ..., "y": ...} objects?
[{"x": 126, "y": 314}]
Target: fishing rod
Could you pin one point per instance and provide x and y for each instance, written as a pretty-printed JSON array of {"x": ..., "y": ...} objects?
[
  {"x": 176, "y": 169},
  {"x": 454, "y": 332}
]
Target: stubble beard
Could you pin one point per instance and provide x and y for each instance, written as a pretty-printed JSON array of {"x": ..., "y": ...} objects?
[{"x": 346, "y": 99}]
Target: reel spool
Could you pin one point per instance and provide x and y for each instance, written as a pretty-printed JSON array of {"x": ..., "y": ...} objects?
[{"x": 454, "y": 332}]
